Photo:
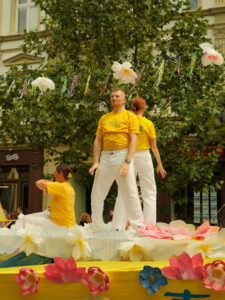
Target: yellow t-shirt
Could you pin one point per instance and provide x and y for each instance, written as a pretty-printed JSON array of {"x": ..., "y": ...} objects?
[
  {"x": 115, "y": 128},
  {"x": 146, "y": 132},
  {"x": 62, "y": 203}
]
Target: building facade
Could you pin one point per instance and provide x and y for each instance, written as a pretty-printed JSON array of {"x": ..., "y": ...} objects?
[{"x": 19, "y": 166}]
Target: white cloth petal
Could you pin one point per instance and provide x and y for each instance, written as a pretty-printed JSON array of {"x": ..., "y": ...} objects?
[
  {"x": 178, "y": 223},
  {"x": 164, "y": 249},
  {"x": 31, "y": 239},
  {"x": 80, "y": 248},
  {"x": 205, "y": 46},
  {"x": 126, "y": 65},
  {"x": 117, "y": 75},
  {"x": 212, "y": 246},
  {"x": 136, "y": 250},
  {"x": 116, "y": 66}
]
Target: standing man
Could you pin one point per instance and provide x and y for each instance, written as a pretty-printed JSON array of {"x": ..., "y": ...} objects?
[{"x": 117, "y": 132}]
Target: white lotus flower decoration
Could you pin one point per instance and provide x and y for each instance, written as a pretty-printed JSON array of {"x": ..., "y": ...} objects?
[
  {"x": 43, "y": 84},
  {"x": 123, "y": 72},
  {"x": 135, "y": 250},
  {"x": 80, "y": 248},
  {"x": 211, "y": 246},
  {"x": 211, "y": 56},
  {"x": 31, "y": 240}
]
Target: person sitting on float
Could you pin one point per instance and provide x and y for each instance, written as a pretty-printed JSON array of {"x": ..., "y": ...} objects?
[{"x": 61, "y": 211}]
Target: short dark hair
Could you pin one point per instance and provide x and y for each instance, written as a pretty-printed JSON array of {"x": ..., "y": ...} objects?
[
  {"x": 119, "y": 90},
  {"x": 65, "y": 169}
]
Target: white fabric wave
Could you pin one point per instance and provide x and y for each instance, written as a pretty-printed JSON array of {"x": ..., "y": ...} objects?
[{"x": 37, "y": 234}]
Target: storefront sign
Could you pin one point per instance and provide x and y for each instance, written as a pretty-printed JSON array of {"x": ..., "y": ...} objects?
[{"x": 12, "y": 157}]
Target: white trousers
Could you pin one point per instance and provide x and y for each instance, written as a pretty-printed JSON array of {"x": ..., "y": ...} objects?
[
  {"x": 110, "y": 162},
  {"x": 143, "y": 166},
  {"x": 41, "y": 218}
]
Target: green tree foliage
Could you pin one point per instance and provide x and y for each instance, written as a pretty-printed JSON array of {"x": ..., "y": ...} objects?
[{"x": 86, "y": 36}]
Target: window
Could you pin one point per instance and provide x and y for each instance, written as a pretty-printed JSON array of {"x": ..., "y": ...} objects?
[
  {"x": 205, "y": 206},
  {"x": 197, "y": 207},
  {"x": 14, "y": 182},
  {"x": 27, "y": 16},
  {"x": 193, "y": 4}
]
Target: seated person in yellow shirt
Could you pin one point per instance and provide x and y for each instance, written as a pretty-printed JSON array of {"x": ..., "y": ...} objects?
[
  {"x": 63, "y": 197},
  {"x": 61, "y": 210}
]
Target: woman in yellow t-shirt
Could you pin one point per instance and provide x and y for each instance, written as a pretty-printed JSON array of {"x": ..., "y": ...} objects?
[
  {"x": 63, "y": 197},
  {"x": 61, "y": 209},
  {"x": 143, "y": 168}
]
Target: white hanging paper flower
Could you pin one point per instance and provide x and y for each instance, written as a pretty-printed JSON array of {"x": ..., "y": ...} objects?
[
  {"x": 135, "y": 250},
  {"x": 81, "y": 249},
  {"x": 31, "y": 240},
  {"x": 43, "y": 83},
  {"x": 211, "y": 56},
  {"x": 123, "y": 72}
]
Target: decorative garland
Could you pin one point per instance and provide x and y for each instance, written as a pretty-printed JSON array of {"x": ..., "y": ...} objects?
[
  {"x": 124, "y": 72},
  {"x": 63, "y": 271},
  {"x": 184, "y": 267}
]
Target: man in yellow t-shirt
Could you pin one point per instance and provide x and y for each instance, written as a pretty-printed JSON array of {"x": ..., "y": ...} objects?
[
  {"x": 143, "y": 168},
  {"x": 117, "y": 132}
]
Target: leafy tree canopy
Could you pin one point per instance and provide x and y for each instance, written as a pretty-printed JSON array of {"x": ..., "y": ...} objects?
[{"x": 86, "y": 36}]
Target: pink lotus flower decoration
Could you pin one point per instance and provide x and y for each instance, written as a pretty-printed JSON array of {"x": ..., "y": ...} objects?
[
  {"x": 214, "y": 275},
  {"x": 201, "y": 231},
  {"x": 96, "y": 279},
  {"x": 174, "y": 233},
  {"x": 177, "y": 233},
  {"x": 64, "y": 271},
  {"x": 185, "y": 267},
  {"x": 29, "y": 281}
]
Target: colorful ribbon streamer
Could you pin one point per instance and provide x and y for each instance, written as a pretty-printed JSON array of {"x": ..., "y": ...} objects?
[
  {"x": 178, "y": 70},
  {"x": 175, "y": 69},
  {"x": 34, "y": 90},
  {"x": 9, "y": 89},
  {"x": 64, "y": 87},
  {"x": 87, "y": 85},
  {"x": 139, "y": 77},
  {"x": 24, "y": 88},
  {"x": 160, "y": 72},
  {"x": 73, "y": 86},
  {"x": 107, "y": 79},
  {"x": 193, "y": 63}
]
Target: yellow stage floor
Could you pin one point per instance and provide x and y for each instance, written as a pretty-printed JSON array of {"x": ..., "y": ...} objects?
[{"x": 124, "y": 284}]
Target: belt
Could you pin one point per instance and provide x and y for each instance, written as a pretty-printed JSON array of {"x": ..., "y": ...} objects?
[{"x": 111, "y": 152}]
